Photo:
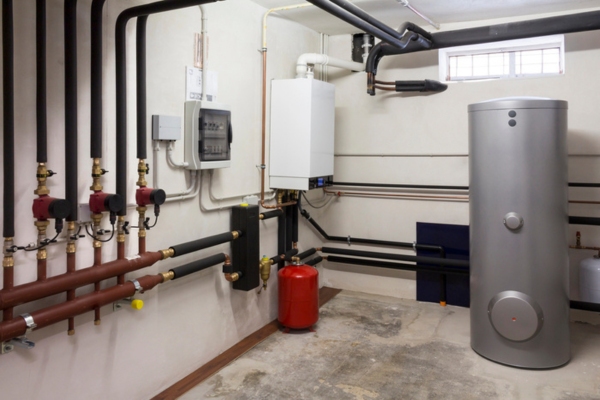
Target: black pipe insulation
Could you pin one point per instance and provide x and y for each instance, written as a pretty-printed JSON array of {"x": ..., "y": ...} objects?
[
  {"x": 121, "y": 78},
  {"x": 439, "y": 187},
  {"x": 198, "y": 265},
  {"x": 295, "y": 225},
  {"x": 514, "y": 30},
  {"x": 582, "y": 305},
  {"x": 287, "y": 256},
  {"x": 8, "y": 118},
  {"x": 400, "y": 257},
  {"x": 271, "y": 214},
  {"x": 70, "y": 33},
  {"x": 307, "y": 253},
  {"x": 40, "y": 61},
  {"x": 204, "y": 243},
  {"x": 584, "y": 221},
  {"x": 426, "y": 85},
  {"x": 314, "y": 261},
  {"x": 289, "y": 227},
  {"x": 350, "y": 240},
  {"x": 140, "y": 63},
  {"x": 281, "y": 238},
  {"x": 366, "y": 27},
  {"x": 392, "y": 265},
  {"x": 369, "y": 19},
  {"x": 96, "y": 80}
]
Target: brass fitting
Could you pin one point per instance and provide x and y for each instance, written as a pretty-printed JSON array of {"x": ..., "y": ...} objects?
[
  {"x": 265, "y": 270},
  {"x": 97, "y": 322},
  {"x": 71, "y": 332},
  {"x": 70, "y": 234},
  {"x": 280, "y": 194},
  {"x": 235, "y": 234},
  {"x": 295, "y": 245},
  {"x": 96, "y": 221},
  {"x": 142, "y": 171},
  {"x": 232, "y": 277},
  {"x": 296, "y": 260},
  {"x": 141, "y": 219},
  {"x": 8, "y": 261},
  {"x": 96, "y": 175},
  {"x": 168, "y": 253},
  {"x": 42, "y": 254},
  {"x": 167, "y": 276},
  {"x": 42, "y": 175},
  {"x": 120, "y": 231}
]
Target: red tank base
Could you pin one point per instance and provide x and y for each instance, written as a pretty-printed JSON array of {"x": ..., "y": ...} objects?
[{"x": 287, "y": 330}]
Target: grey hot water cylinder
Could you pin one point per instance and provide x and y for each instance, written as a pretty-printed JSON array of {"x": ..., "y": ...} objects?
[{"x": 519, "y": 220}]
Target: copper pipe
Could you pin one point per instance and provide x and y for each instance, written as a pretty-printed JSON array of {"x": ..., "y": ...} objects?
[
  {"x": 38, "y": 290},
  {"x": 8, "y": 276},
  {"x": 41, "y": 268},
  {"x": 71, "y": 262},
  {"x": 385, "y": 88},
  {"x": 10, "y": 329},
  {"x": 97, "y": 264},
  {"x": 120, "y": 256},
  {"x": 398, "y": 195},
  {"x": 142, "y": 244},
  {"x": 385, "y": 83}
]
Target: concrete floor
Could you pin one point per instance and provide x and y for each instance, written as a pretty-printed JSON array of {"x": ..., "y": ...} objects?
[{"x": 374, "y": 347}]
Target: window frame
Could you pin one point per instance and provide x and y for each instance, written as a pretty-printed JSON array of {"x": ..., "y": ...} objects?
[{"x": 507, "y": 46}]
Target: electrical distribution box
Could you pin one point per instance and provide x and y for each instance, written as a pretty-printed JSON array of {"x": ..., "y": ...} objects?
[
  {"x": 302, "y": 131},
  {"x": 208, "y": 135}
]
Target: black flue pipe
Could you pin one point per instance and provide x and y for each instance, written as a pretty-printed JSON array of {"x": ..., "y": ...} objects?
[
  {"x": 140, "y": 63},
  {"x": 121, "y": 79},
  {"x": 204, "y": 243},
  {"x": 40, "y": 65},
  {"x": 366, "y": 27},
  {"x": 8, "y": 72},
  {"x": 392, "y": 265},
  {"x": 70, "y": 33},
  {"x": 198, "y": 265},
  {"x": 399, "y": 257},
  {"x": 96, "y": 80}
]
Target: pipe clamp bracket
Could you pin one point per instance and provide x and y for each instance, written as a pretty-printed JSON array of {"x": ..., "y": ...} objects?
[
  {"x": 31, "y": 325},
  {"x": 136, "y": 284}
]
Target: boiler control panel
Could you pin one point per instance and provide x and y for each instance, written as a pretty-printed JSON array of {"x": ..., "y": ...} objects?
[
  {"x": 320, "y": 182},
  {"x": 208, "y": 135}
]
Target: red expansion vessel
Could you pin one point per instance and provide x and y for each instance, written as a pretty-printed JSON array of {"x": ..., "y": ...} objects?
[{"x": 298, "y": 296}]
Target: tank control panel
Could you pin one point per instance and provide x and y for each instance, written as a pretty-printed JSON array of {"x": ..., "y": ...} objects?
[
  {"x": 208, "y": 135},
  {"x": 320, "y": 182}
]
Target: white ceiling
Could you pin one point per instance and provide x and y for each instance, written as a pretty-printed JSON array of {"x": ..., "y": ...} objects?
[{"x": 441, "y": 11}]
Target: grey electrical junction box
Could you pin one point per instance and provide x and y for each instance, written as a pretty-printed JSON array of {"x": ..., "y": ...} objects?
[{"x": 165, "y": 127}]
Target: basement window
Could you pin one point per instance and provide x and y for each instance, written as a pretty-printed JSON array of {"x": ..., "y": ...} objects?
[{"x": 533, "y": 57}]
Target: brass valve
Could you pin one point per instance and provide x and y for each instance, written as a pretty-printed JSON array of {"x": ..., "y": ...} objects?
[
  {"x": 42, "y": 174},
  {"x": 8, "y": 260},
  {"x": 97, "y": 172},
  {"x": 142, "y": 171},
  {"x": 265, "y": 270}
]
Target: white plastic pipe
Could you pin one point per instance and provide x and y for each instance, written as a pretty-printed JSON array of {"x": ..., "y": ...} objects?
[{"x": 313, "y": 58}]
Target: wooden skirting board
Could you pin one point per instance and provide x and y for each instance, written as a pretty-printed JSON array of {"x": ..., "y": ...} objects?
[{"x": 231, "y": 354}]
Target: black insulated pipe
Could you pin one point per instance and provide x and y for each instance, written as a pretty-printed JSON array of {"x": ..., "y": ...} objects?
[
  {"x": 314, "y": 261},
  {"x": 392, "y": 265},
  {"x": 287, "y": 256},
  {"x": 140, "y": 63},
  {"x": 96, "y": 80},
  {"x": 121, "y": 78},
  {"x": 584, "y": 221},
  {"x": 271, "y": 214},
  {"x": 70, "y": 25},
  {"x": 582, "y": 305},
  {"x": 352, "y": 9},
  {"x": 199, "y": 265},
  {"x": 426, "y": 85},
  {"x": 400, "y": 257},
  {"x": 40, "y": 60},
  {"x": 360, "y": 24},
  {"x": 281, "y": 238},
  {"x": 295, "y": 225},
  {"x": 9, "y": 117},
  {"x": 307, "y": 253},
  {"x": 586, "y": 185},
  {"x": 204, "y": 243}
]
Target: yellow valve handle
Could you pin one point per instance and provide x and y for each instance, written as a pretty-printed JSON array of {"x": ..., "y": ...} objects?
[{"x": 137, "y": 304}]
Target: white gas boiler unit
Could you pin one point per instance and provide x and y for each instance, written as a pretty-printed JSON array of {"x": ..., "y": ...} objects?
[{"x": 301, "y": 134}]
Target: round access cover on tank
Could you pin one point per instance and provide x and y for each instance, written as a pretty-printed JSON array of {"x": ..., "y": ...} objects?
[
  {"x": 515, "y": 315},
  {"x": 517, "y": 104}
]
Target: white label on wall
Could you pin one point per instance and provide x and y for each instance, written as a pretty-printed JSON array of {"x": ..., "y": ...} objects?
[{"x": 193, "y": 84}]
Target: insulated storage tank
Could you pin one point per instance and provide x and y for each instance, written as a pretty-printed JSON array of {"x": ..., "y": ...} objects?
[{"x": 518, "y": 229}]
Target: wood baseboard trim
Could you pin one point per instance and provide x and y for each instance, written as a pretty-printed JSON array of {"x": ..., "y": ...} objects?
[{"x": 231, "y": 354}]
